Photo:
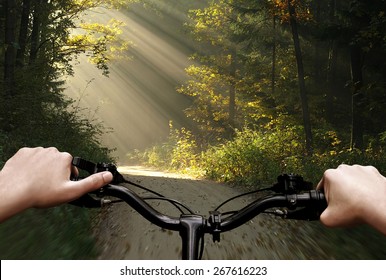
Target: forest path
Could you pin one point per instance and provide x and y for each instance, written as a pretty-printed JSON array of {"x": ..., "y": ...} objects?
[{"x": 124, "y": 234}]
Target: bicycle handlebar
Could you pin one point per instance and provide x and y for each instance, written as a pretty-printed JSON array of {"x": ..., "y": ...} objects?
[
  {"x": 313, "y": 201},
  {"x": 291, "y": 192},
  {"x": 138, "y": 204}
]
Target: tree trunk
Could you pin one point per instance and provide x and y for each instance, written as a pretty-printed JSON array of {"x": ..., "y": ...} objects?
[
  {"x": 10, "y": 48},
  {"x": 331, "y": 69},
  {"x": 7, "y": 105},
  {"x": 273, "y": 69},
  {"x": 232, "y": 93},
  {"x": 331, "y": 82},
  {"x": 318, "y": 60},
  {"x": 356, "y": 56},
  {"x": 302, "y": 86},
  {"x": 35, "y": 32},
  {"x": 24, "y": 23}
]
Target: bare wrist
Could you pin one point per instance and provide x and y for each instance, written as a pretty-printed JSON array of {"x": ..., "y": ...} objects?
[
  {"x": 375, "y": 215},
  {"x": 12, "y": 201}
]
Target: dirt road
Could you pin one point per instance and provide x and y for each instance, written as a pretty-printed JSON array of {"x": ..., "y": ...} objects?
[{"x": 124, "y": 234}]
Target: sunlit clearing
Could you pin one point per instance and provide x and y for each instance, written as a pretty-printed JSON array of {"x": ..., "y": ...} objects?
[{"x": 139, "y": 97}]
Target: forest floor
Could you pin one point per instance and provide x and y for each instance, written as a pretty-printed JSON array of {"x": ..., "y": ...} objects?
[{"x": 124, "y": 234}]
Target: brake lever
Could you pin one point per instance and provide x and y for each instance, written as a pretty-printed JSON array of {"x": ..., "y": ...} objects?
[
  {"x": 291, "y": 184},
  {"x": 93, "y": 168},
  {"x": 302, "y": 213},
  {"x": 87, "y": 200},
  {"x": 304, "y": 206}
]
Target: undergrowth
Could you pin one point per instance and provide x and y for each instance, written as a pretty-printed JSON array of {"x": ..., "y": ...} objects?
[
  {"x": 255, "y": 156},
  {"x": 63, "y": 232}
]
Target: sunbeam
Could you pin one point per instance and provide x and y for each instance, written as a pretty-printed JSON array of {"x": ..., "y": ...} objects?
[{"x": 139, "y": 97}]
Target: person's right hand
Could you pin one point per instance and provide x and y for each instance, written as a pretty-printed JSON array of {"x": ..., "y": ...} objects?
[{"x": 355, "y": 194}]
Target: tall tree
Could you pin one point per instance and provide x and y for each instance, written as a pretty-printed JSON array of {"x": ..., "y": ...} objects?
[
  {"x": 302, "y": 85},
  {"x": 23, "y": 33},
  {"x": 10, "y": 46},
  {"x": 364, "y": 26},
  {"x": 211, "y": 27},
  {"x": 356, "y": 57},
  {"x": 39, "y": 46},
  {"x": 331, "y": 65}
]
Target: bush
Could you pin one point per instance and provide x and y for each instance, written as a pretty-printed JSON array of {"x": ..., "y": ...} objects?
[
  {"x": 242, "y": 160},
  {"x": 256, "y": 156},
  {"x": 180, "y": 152},
  {"x": 259, "y": 156}
]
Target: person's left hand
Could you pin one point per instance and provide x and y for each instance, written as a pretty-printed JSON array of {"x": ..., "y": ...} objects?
[{"x": 40, "y": 177}]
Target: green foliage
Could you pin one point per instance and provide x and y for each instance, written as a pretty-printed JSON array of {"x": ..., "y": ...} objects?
[
  {"x": 184, "y": 152},
  {"x": 35, "y": 234},
  {"x": 210, "y": 92},
  {"x": 180, "y": 152},
  {"x": 256, "y": 156},
  {"x": 34, "y": 112},
  {"x": 239, "y": 161},
  {"x": 62, "y": 232},
  {"x": 62, "y": 125},
  {"x": 100, "y": 42},
  {"x": 159, "y": 156},
  {"x": 259, "y": 157}
]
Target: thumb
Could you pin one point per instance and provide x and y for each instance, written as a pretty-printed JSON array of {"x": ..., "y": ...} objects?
[
  {"x": 325, "y": 218},
  {"x": 331, "y": 218},
  {"x": 93, "y": 182}
]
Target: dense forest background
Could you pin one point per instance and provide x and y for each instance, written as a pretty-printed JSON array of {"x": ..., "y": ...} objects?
[
  {"x": 282, "y": 86},
  {"x": 274, "y": 86}
]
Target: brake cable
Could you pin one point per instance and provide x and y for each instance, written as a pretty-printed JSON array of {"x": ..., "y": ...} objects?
[
  {"x": 172, "y": 201},
  {"x": 176, "y": 203},
  {"x": 240, "y": 195}
]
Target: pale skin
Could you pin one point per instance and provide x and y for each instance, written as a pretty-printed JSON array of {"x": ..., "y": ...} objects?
[
  {"x": 40, "y": 178},
  {"x": 355, "y": 195}
]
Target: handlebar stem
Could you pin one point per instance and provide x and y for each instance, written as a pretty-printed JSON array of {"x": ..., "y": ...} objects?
[{"x": 191, "y": 232}]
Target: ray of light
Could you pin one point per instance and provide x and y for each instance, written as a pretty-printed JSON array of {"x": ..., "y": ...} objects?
[{"x": 139, "y": 97}]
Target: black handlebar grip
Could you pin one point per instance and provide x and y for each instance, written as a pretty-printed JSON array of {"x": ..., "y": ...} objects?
[
  {"x": 318, "y": 204},
  {"x": 319, "y": 200},
  {"x": 309, "y": 206},
  {"x": 83, "y": 164}
]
